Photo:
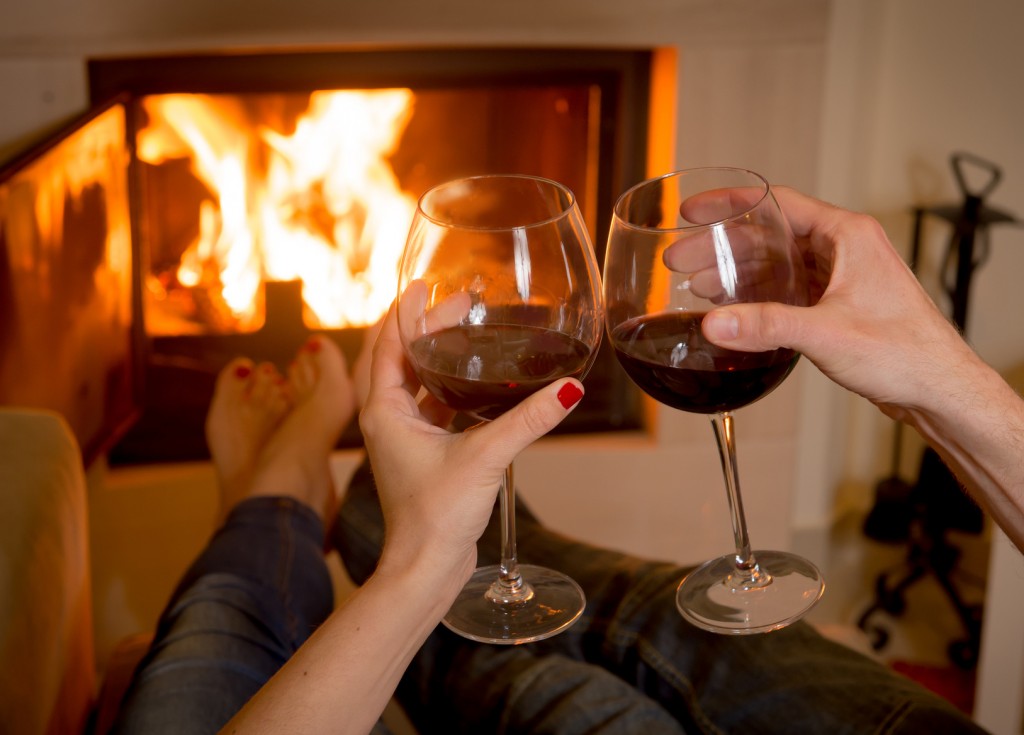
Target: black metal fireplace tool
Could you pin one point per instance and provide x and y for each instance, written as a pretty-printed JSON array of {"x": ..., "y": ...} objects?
[{"x": 921, "y": 514}]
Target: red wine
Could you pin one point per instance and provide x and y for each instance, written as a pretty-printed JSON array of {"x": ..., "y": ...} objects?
[
  {"x": 669, "y": 358},
  {"x": 486, "y": 369}
]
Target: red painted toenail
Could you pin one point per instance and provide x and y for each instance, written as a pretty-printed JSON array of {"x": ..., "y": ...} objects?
[{"x": 242, "y": 371}]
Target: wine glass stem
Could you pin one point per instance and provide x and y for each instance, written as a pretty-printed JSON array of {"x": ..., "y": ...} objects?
[
  {"x": 509, "y": 587},
  {"x": 748, "y": 574}
]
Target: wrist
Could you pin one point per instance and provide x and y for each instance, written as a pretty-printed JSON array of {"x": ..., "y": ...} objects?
[
  {"x": 434, "y": 578},
  {"x": 975, "y": 420},
  {"x": 957, "y": 397}
]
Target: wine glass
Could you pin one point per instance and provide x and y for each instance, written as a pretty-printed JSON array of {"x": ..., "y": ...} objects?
[
  {"x": 679, "y": 246},
  {"x": 499, "y": 295}
]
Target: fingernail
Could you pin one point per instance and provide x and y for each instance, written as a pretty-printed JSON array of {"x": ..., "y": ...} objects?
[
  {"x": 312, "y": 345},
  {"x": 242, "y": 371},
  {"x": 569, "y": 395},
  {"x": 721, "y": 325}
]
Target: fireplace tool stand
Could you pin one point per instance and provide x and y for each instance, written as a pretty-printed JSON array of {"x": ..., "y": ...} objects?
[{"x": 922, "y": 514}]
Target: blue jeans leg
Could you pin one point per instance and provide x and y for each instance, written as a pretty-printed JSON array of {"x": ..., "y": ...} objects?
[
  {"x": 455, "y": 686},
  {"x": 250, "y": 599},
  {"x": 788, "y": 681}
]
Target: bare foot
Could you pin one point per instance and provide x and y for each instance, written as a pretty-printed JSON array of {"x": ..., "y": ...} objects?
[
  {"x": 248, "y": 403},
  {"x": 294, "y": 460}
]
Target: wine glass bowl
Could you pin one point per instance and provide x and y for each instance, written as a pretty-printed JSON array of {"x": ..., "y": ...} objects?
[
  {"x": 499, "y": 295},
  {"x": 680, "y": 246}
]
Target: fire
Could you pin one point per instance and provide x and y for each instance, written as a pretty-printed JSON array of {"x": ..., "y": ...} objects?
[{"x": 320, "y": 204}]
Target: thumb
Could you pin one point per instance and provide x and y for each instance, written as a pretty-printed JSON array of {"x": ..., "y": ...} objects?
[
  {"x": 757, "y": 327},
  {"x": 519, "y": 427}
]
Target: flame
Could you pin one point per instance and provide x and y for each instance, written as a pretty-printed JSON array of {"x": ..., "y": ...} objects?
[{"x": 320, "y": 204}]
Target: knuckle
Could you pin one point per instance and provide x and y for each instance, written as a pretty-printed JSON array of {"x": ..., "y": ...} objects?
[
  {"x": 368, "y": 421},
  {"x": 864, "y": 225},
  {"x": 773, "y": 323},
  {"x": 535, "y": 418}
]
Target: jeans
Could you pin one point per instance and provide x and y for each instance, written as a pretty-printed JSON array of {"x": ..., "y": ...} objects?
[
  {"x": 251, "y": 598},
  {"x": 629, "y": 665}
]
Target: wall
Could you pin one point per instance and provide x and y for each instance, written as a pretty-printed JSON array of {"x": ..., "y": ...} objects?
[{"x": 911, "y": 82}]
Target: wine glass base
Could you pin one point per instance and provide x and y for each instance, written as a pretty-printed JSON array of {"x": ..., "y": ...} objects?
[
  {"x": 710, "y": 598},
  {"x": 556, "y": 603}
]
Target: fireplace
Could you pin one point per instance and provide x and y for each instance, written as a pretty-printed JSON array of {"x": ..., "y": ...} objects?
[{"x": 268, "y": 196}]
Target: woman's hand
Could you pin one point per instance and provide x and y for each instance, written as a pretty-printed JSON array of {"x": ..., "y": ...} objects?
[{"x": 437, "y": 488}]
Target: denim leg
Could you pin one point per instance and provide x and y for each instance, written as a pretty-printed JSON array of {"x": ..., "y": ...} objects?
[
  {"x": 454, "y": 685},
  {"x": 358, "y": 533},
  {"x": 250, "y": 599},
  {"x": 457, "y": 686},
  {"x": 792, "y": 680}
]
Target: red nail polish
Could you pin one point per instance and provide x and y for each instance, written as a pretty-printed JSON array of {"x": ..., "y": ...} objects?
[
  {"x": 569, "y": 395},
  {"x": 313, "y": 345},
  {"x": 242, "y": 371}
]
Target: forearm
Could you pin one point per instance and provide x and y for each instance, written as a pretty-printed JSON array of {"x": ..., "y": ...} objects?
[
  {"x": 342, "y": 678},
  {"x": 976, "y": 423}
]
